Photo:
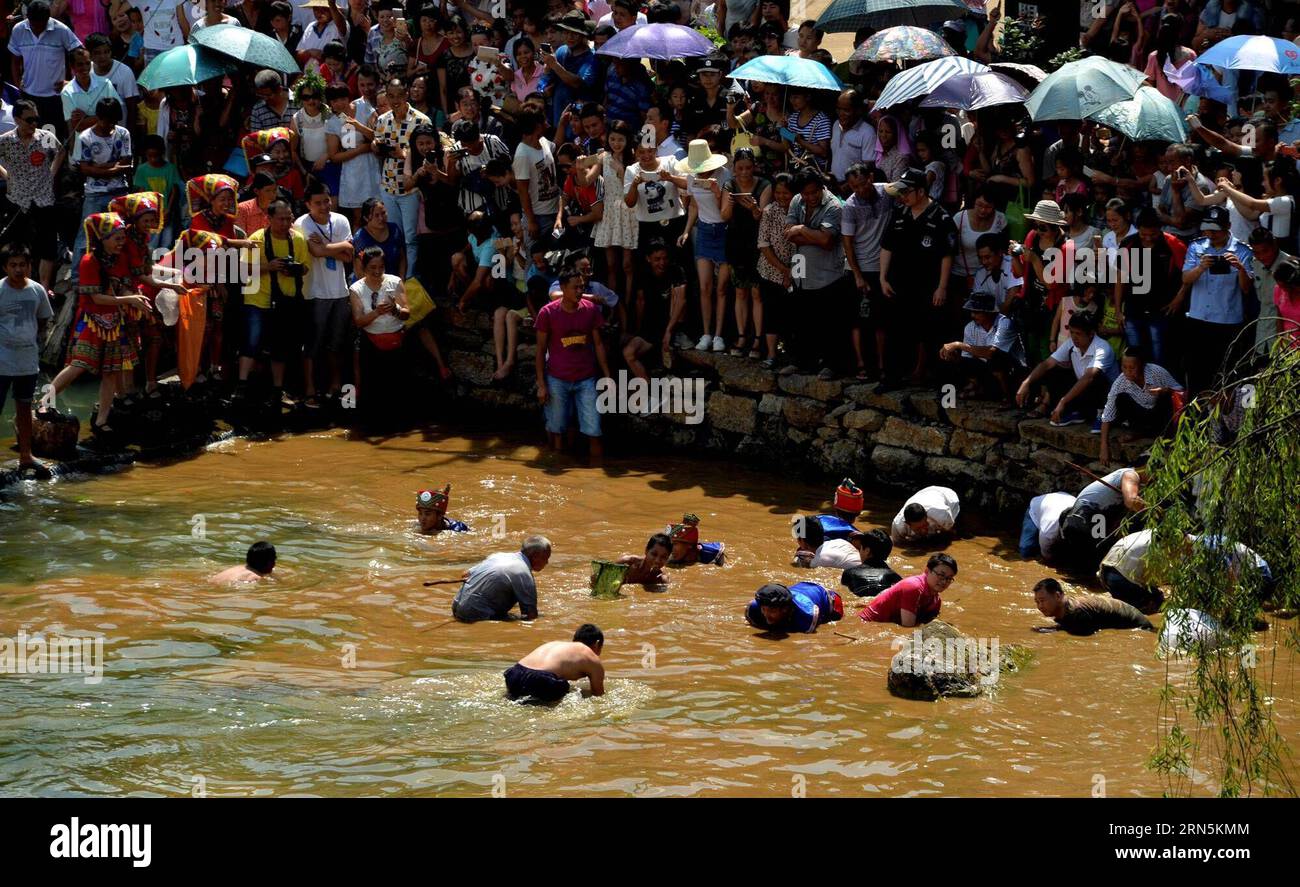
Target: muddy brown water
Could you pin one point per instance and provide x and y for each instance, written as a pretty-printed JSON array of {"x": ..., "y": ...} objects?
[{"x": 248, "y": 691}]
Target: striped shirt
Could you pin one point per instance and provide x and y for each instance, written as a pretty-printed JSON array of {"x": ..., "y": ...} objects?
[
  {"x": 817, "y": 129},
  {"x": 1155, "y": 376}
]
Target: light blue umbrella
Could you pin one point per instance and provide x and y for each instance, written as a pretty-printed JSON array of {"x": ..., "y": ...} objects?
[
  {"x": 788, "y": 70},
  {"x": 1080, "y": 89},
  {"x": 1148, "y": 116},
  {"x": 924, "y": 79},
  {"x": 1253, "y": 53}
]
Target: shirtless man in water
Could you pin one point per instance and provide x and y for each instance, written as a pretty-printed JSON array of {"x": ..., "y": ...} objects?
[
  {"x": 544, "y": 674},
  {"x": 258, "y": 564},
  {"x": 648, "y": 569}
]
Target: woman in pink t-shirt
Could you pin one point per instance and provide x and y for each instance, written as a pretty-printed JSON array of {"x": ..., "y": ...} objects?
[
  {"x": 915, "y": 600},
  {"x": 1286, "y": 296}
]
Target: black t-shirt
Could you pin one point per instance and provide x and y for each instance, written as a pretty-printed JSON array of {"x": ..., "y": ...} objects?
[
  {"x": 658, "y": 292},
  {"x": 1166, "y": 280},
  {"x": 918, "y": 246},
  {"x": 1089, "y": 614}
]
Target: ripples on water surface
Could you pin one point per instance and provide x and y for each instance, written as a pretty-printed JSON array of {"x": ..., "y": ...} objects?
[{"x": 246, "y": 687}]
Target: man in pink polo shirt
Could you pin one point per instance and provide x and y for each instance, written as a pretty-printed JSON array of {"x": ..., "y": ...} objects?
[
  {"x": 915, "y": 600},
  {"x": 570, "y": 354}
]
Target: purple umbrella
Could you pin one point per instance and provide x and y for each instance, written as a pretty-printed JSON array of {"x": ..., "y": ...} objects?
[
  {"x": 972, "y": 91},
  {"x": 657, "y": 41}
]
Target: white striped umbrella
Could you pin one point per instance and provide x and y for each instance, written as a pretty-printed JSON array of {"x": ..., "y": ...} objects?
[{"x": 923, "y": 79}]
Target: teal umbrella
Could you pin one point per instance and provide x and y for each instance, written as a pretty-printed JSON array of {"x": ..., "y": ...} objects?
[
  {"x": 185, "y": 66},
  {"x": 1148, "y": 116},
  {"x": 788, "y": 70},
  {"x": 246, "y": 45},
  {"x": 1080, "y": 89}
]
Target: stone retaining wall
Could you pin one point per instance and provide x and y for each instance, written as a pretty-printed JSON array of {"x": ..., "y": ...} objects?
[{"x": 905, "y": 439}]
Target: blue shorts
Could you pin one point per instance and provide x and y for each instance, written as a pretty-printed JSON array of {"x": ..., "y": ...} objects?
[
  {"x": 543, "y": 686},
  {"x": 711, "y": 241},
  {"x": 567, "y": 399}
]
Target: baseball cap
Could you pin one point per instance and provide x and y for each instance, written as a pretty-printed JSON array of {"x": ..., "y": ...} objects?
[{"x": 910, "y": 180}]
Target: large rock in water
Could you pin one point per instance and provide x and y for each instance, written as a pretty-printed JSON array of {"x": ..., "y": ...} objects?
[{"x": 940, "y": 661}]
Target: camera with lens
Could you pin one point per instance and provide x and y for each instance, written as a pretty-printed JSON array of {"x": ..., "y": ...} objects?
[
  {"x": 294, "y": 268},
  {"x": 1220, "y": 266}
]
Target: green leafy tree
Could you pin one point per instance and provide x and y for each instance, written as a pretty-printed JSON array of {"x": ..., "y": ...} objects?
[{"x": 1228, "y": 477}]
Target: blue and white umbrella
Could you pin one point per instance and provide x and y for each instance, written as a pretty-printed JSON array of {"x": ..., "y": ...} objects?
[
  {"x": 924, "y": 79},
  {"x": 1253, "y": 53}
]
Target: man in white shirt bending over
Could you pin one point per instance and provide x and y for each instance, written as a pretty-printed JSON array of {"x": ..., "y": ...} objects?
[{"x": 930, "y": 512}]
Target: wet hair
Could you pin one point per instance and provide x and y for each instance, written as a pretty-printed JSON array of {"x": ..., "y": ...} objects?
[
  {"x": 1051, "y": 586},
  {"x": 914, "y": 513},
  {"x": 941, "y": 560},
  {"x": 590, "y": 635},
  {"x": 260, "y": 558},
  {"x": 878, "y": 544},
  {"x": 659, "y": 539}
]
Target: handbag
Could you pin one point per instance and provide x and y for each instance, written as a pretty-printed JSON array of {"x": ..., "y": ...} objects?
[
  {"x": 386, "y": 341},
  {"x": 743, "y": 139},
  {"x": 418, "y": 301},
  {"x": 1017, "y": 224}
]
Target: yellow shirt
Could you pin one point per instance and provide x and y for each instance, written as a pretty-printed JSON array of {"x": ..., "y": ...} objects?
[{"x": 261, "y": 297}]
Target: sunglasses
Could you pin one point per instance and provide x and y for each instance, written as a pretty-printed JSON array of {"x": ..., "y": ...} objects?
[{"x": 33, "y": 119}]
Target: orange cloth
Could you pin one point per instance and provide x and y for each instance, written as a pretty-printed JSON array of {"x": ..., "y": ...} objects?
[{"x": 189, "y": 334}]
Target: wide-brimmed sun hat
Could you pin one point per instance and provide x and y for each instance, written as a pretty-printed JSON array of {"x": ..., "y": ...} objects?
[
  {"x": 700, "y": 158},
  {"x": 1048, "y": 212}
]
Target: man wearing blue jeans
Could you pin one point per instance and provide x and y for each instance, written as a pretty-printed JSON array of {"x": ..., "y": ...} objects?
[{"x": 569, "y": 348}]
